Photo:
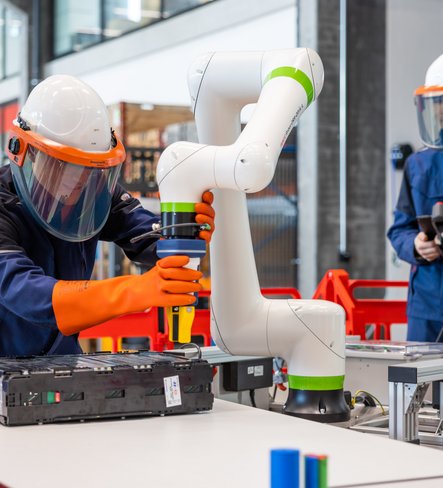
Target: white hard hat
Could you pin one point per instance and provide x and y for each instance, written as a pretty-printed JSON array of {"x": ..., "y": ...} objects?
[
  {"x": 434, "y": 74},
  {"x": 67, "y": 110},
  {"x": 429, "y": 104},
  {"x": 65, "y": 157}
]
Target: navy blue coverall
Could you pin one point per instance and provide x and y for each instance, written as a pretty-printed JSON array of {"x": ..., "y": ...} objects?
[
  {"x": 32, "y": 260},
  {"x": 421, "y": 188}
]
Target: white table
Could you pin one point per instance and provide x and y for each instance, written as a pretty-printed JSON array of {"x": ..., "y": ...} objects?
[{"x": 226, "y": 448}]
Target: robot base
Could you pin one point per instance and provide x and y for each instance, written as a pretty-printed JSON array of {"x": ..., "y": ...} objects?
[{"x": 318, "y": 405}]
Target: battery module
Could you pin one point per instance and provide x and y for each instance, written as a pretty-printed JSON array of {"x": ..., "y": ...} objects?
[{"x": 46, "y": 389}]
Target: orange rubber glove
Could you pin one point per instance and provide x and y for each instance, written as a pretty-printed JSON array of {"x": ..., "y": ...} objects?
[
  {"x": 81, "y": 304},
  {"x": 205, "y": 215}
]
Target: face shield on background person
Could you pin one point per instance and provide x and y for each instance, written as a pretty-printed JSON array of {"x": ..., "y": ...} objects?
[
  {"x": 429, "y": 105},
  {"x": 67, "y": 190}
]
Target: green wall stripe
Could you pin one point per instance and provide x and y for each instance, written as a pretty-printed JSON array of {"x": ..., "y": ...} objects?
[
  {"x": 177, "y": 207},
  {"x": 316, "y": 382},
  {"x": 295, "y": 74}
]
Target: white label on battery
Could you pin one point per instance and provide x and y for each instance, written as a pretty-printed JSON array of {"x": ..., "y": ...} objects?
[
  {"x": 258, "y": 370},
  {"x": 250, "y": 369},
  {"x": 172, "y": 391}
]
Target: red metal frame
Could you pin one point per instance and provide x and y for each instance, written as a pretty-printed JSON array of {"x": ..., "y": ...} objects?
[
  {"x": 145, "y": 324},
  {"x": 142, "y": 324},
  {"x": 282, "y": 291},
  {"x": 360, "y": 312}
]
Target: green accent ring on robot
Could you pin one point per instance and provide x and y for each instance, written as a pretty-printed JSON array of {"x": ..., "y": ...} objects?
[
  {"x": 295, "y": 74},
  {"x": 177, "y": 207},
  {"x": 318, "y": 383}
]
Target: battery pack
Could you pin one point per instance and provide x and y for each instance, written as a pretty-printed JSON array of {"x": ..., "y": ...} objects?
[{"x": 46, "y": 389}]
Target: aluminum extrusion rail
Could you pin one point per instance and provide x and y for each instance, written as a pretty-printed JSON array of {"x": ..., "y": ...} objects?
[{"x": 408, "y": 384}]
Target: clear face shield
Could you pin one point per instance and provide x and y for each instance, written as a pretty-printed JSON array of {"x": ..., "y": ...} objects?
[
  {"x": 71, "y": 198},
  {"x": 429, "y": 105}
]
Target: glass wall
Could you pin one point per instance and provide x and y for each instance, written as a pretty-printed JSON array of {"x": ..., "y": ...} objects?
[
  {"x": 82, "y": 23},
  {"x": 126, "y": 15},
  {"x": 2, "y": 43},
  {"x": 14, "y": 32},
  {"x": 77, "y": 24},
  {"x": 173, "y": 7},
  {"x": 11, "y": 38}
]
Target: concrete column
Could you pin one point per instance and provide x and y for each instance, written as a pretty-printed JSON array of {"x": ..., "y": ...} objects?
[{"x": 365, "y": 135}]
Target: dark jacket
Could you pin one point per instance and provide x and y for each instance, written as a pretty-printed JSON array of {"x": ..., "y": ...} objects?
[
  {"x": 32, "y": 260},
  {"x": 422, "y": 187}
]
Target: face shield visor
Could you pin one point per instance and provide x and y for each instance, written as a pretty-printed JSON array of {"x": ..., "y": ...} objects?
[
  {"x": 429, "y": 105},
  {"x": 67, "y": 190}
]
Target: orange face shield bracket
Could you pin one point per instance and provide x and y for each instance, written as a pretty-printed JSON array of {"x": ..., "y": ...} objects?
[
  {"x": 428, "y": 90},
  {"x": 20, "y": 138}
]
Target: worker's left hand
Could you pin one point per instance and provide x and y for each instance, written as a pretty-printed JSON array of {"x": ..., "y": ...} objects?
[{"x": 205, "y": 215}]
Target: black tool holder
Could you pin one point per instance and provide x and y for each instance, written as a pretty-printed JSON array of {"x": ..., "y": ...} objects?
[
  {"x": 432, "y": 225},
  {"x": 437, "y": 220}
]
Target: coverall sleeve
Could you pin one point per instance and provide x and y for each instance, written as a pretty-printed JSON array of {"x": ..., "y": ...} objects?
[
  {"x": 405, "y": 227},
  {"x": 129, "y": 219},
  {"x": 25, "y": 290}
]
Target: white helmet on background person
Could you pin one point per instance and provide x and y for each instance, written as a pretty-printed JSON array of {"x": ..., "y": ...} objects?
[
  {"x": 429, "y": 104},
  {"x": 65, "y": 158}
]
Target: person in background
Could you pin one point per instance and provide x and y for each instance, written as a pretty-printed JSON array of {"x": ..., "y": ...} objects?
[
  {"x": 421, "y": 188},
  {"x": 58, "y": 197}
]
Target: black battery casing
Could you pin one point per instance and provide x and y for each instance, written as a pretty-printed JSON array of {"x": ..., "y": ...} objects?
[{"x": 48, "y": 389}]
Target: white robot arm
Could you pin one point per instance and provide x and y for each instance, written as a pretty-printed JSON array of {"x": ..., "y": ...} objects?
[
  {"x": 308, "y": 334},
  {"x": 221, "y": 85}
]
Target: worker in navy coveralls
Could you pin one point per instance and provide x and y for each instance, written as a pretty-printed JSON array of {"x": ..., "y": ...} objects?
[
  {"x": 58, "y": 197},
  {"x": 421, "y": 188}
]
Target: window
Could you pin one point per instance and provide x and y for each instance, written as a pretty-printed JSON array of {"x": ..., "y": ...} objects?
[
  {"x": 82, "y": 23},
  {"x": 14, "y": 35},
  {"x": 126, "y": 15},
  {"x": 2, "y": 43},
  {"x": 173, "y": 7},
  {"x": 11, "y": 42},
  {"x": 77, "y": 24}
]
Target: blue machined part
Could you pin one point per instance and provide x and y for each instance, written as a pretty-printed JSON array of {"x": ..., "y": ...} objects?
[{"x": 193, "y": 248}]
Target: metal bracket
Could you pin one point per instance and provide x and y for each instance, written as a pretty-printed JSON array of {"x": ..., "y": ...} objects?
[
  {"x": 405, "y": 400},
  {"x": 408, "y": 384}
]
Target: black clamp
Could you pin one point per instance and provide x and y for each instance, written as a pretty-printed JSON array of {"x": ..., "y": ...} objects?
[{"x": 14, "y": 145}]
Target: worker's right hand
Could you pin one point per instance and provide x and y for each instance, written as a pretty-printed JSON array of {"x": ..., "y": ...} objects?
[
  {"x": 168, "y": 282},
  {"x": 425, "y": 248},
  {"x": 81, "y": 304}
]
